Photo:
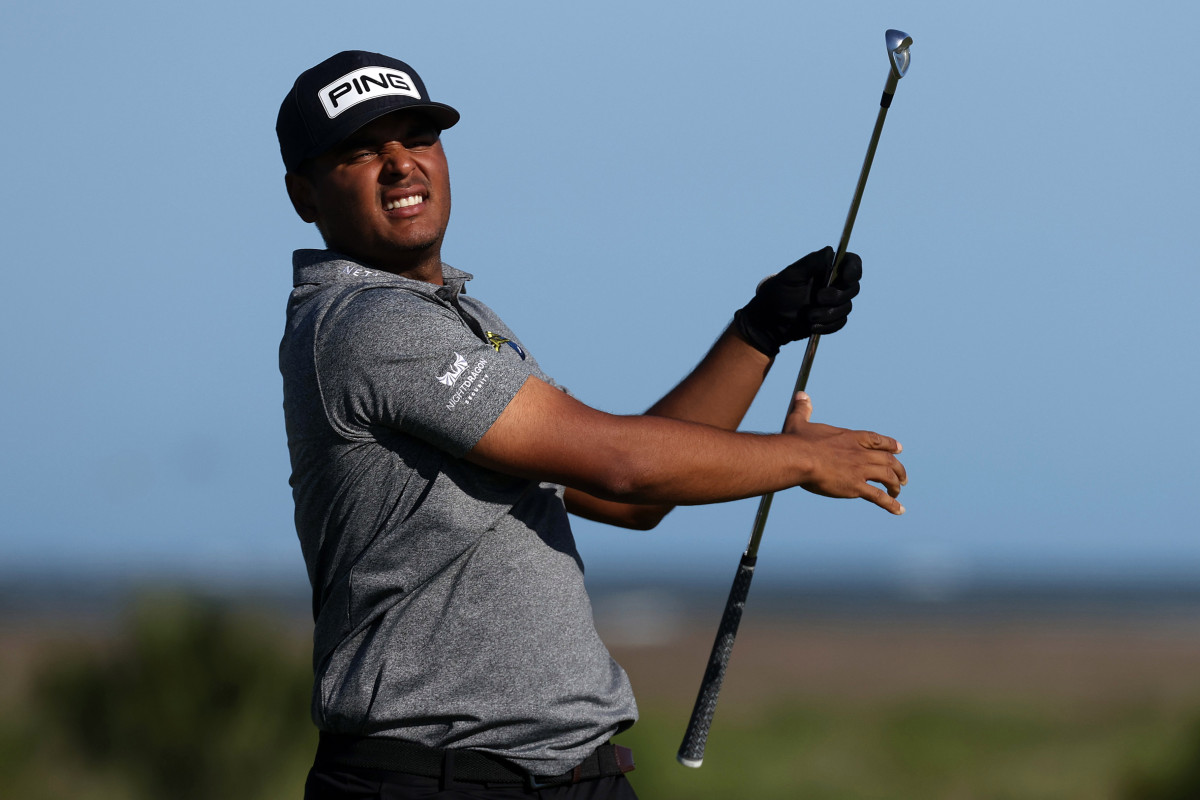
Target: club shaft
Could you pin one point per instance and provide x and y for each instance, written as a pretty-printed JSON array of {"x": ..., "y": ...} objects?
[
  {"x": 810, "y": 352},
  {"x": 691, "y": 751}
]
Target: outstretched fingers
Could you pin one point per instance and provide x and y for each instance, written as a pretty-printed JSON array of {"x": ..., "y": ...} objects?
[
  {"x": 882, "y": 499},
  {"x": 877, "y": 441},
  {"x": 887, "y": 471},
  {"x": 886, "y": 444},
  {"x": 849, "y": 463}
]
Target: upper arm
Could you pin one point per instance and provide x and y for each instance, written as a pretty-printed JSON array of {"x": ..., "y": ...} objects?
[
  {"x": 387, "y": 357},
  {"x": 546, "y": 434}
]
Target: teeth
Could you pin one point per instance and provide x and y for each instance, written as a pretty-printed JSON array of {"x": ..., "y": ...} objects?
[{"x": 404, "y": 202}]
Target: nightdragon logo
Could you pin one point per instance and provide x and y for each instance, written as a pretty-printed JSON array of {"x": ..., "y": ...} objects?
[
  {"x": 471, "y": 384},
  {"x": 451, "y": 377}
]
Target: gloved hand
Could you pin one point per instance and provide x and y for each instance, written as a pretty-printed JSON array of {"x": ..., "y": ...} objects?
[{"x": 796, "y": 303}]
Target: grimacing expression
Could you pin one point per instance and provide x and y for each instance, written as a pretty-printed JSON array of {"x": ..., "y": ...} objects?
[{"x": 382, "y": 196}]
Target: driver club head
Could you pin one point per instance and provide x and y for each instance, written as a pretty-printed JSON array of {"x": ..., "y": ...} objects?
[{"x": 898, "y": 43}]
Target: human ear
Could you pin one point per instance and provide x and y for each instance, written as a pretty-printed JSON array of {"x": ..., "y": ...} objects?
[{"x": 300, "y": 191}]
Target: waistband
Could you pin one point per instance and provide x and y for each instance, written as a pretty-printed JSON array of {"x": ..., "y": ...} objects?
[{"x": 470, "y": 766}]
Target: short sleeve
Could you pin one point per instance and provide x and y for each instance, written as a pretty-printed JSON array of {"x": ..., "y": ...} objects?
[{"x": 387, "y": 356}]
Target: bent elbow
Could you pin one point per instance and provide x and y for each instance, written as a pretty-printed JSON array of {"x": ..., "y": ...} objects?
[
  {"x": 625, "y": 479},
  {"x": 631, "y": 483},
  {"x": 646, "y": 517}
]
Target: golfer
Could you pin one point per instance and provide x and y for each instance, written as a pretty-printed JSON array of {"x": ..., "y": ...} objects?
[{"x": 434, "y": 464}]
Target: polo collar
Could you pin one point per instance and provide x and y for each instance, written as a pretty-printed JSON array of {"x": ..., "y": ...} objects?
[{"x": 328, "y": 266}]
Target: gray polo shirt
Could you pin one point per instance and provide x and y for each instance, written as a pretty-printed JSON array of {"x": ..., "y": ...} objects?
[{"x": 449, "y": 599}]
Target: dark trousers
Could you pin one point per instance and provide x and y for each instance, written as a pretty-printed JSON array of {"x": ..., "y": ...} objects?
[{"x": 340, "y": 783}]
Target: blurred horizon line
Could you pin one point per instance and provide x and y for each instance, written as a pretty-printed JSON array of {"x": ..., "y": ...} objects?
[{"x": 1118, "y": 597}]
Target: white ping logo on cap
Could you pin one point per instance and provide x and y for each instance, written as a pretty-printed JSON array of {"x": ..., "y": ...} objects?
[{"x": 364, "y": 84}]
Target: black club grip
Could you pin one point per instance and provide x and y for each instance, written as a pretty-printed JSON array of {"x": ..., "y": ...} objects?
[{"x": 691, "y": 752}]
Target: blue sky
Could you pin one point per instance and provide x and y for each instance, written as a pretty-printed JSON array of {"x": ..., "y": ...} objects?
[{"x": 623, "y": 175}]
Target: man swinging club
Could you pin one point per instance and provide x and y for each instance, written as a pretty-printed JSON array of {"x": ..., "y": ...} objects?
[{"x": 434, "y": 463}]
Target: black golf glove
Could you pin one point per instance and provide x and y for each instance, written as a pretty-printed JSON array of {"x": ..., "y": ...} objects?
[{"x": 799, "y": 301}]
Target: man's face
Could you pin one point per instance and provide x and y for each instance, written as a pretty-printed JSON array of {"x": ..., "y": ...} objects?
[{"x": 382, "y": 195}]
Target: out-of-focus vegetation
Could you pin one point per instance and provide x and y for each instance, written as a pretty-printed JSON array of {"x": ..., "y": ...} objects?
[
  {"x": 1174, "y": 775},
  {"x": 197, "y": 700},
  {"x": 921, "y": 750},
  {"x": 193, "y": 701}
]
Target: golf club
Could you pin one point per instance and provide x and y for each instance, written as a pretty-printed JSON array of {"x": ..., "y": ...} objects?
[{"x": 691, "y": 751}]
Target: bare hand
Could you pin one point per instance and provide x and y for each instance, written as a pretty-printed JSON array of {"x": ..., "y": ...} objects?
[{"x": 846, "y": 463}]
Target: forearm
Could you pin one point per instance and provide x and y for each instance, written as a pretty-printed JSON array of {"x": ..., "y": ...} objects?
[
  {"x": 720, "y": 389},
  {"x": 670, "y": 462},
  {"x": 633, "y": 459},
  {"x": 717, "y": 392},
  {"x": 544, "y": 434}
]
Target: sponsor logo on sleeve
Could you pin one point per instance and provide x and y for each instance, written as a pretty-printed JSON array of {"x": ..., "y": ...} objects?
[
  {"x": 459, "y": 367},
  {"x": 365, "y": 83},
  {"x": 469, "y": 380}
]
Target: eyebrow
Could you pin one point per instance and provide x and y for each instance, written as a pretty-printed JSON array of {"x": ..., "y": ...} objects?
[{"x": 417, "y": 129}]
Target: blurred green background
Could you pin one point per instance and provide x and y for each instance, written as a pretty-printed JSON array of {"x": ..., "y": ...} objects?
[{"x": 176, "y": 694}]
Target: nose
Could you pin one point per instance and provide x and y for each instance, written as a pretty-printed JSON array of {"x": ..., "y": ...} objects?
[{"x": 398, "y": 160}]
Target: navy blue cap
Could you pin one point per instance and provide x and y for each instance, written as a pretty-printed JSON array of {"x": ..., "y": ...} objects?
[{"x": 343, "y": 93}]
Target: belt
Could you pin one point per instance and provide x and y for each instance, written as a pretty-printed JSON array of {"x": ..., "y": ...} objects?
[{"x": 472, "y": 766}]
